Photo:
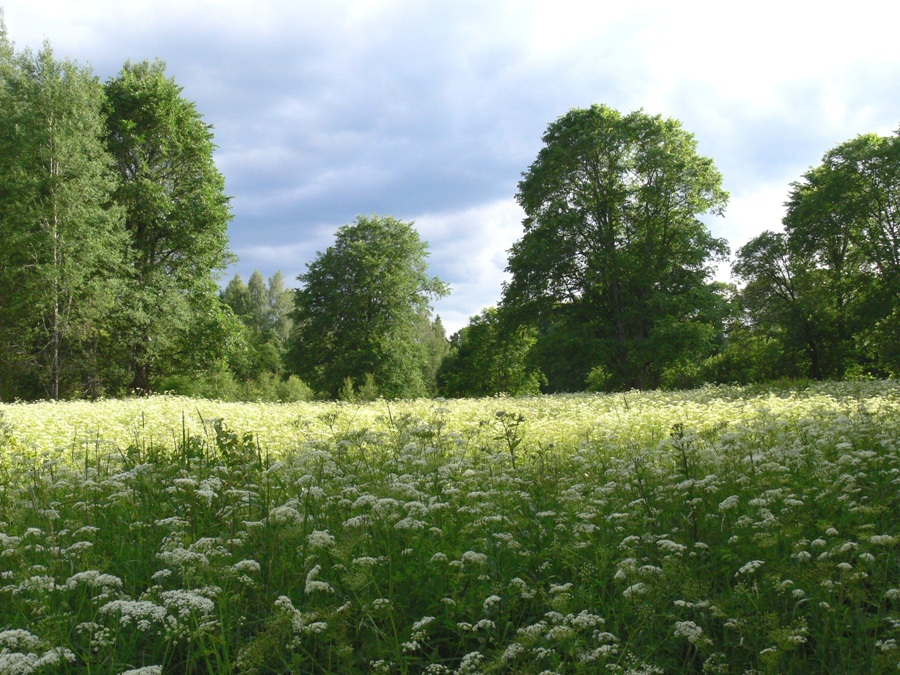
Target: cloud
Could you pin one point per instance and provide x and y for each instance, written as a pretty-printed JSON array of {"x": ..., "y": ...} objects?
[{"x": 430, "y": 111}]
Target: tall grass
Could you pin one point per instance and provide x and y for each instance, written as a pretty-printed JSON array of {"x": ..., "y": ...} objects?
[{"x": 719, "y": 530}]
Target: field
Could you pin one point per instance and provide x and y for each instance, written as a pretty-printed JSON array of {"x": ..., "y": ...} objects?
[{"x": 722, "y": 530}]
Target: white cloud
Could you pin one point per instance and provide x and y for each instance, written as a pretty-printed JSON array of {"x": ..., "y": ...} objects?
[
  {"x": 469, "y": 251},
  {"x": 324, "y": 110}
]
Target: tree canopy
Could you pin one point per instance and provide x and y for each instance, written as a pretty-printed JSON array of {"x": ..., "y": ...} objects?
[
  {"x": 176, "y": 215},
  {"x": 358, "y": 309},
  {"x": 615, "y": 262},
  {"x": 114, "y": 230},
  {"x": 826, "y": 289},
  {"x": 62, "y": 238}
]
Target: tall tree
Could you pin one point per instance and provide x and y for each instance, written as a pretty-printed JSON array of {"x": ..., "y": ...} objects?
[
  {"x": 436, "y": 346},
  {"x": 488, "y": 359},
  {"x": 358, "y": 309},
  {"x": 615, "y": 259},
  {"x": 787, "y": 300},
  {"x": 62, "y": 240},
  {"x": 177, "y": 215},
  {"x": 844, "y": 218},
  {"x": 265, "y": 312}
]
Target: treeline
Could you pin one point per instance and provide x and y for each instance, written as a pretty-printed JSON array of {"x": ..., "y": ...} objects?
[
  {"x": 113, "y": 223},
  {"x": 113, "y": 234},
  {"x": 611, "y": 285}
]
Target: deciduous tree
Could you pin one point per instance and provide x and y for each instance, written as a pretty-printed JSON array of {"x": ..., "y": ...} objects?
[
  {"x": 487, "y": 358},
  {"x": 615, "y": 258},
  {"x": 358, "y": 309},
  {"x": 177, "y": 215},
  {"x": 62, "y": 240}
]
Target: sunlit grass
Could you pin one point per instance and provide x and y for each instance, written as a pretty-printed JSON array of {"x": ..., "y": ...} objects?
[{"x": 722, "y": 530}]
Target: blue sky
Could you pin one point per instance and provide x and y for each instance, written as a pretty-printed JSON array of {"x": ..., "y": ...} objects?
[{"x": 431, "y": 110}]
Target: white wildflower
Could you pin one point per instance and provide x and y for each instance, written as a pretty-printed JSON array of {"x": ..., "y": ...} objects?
[
  {"x": 750, "y": 567},
  {"x": 490, "y": 601},
  {"x": 883, "y": 539},
  {"x": 474, "y": 558},
  {"x": 320, "y": 539},
  {"x": 729, "y": 503},
  {"x": 421, "y": 623},
  {"x": 313, "y": 585},
  {"x": 246, "y": 565},
  {"x": 285, "y": 515},
  {"x": 639, "y": 588},
  {"x": 691, "y": 632}
]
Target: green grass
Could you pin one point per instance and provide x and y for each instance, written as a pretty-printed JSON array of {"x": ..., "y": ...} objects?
[{"x": 720, "y": 530}]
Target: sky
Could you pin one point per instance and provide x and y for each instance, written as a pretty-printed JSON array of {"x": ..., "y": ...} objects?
[{"x": 431, "y": 110}]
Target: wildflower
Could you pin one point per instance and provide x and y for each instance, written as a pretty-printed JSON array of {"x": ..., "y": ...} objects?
[
  {"x": 146, "y": 670},
  {"x": 470, "y": 663},
  {"x": 246, "y": 566},
  {"x": 474, "y": 558},
  {"x": 882, "y": 539},
  {"x": 285, "y": 515},
  {"x": 320, "y": 539},
  {"x": 313, "y": 585},
  {"x": 750, "y": 567},
  {"x": 691, "y": 632},
  {"x": 93, "y": 579},
  {"x": 410, "y": 523},
  {"x": 490, "y": 601},
  {"x": 671, "y": 546},
  {"x": 421, "y": 623},
  {"x": 183, "y": 602},
  {"x": 636, "y": 589},
  {"x": 142, "y": 613},
  {"x": 729, "y": 503}
]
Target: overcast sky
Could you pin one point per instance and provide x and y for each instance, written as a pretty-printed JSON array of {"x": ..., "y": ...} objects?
[{"x": 430, "y": 110}]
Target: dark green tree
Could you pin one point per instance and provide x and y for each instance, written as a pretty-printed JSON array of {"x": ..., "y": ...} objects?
[
  {"x": 265, "y": 313},
  {"x": 433, "y": 338},
  {"x": 787, "y": 301},
  {"x": 61, "y": 257},
  {"x": 177, "y": 215},
  {"x": 843, "y": 217},
  {"x": 615, "y": 260},
  {"x": 358, "y": 310},
  {"x": 486, "y": 359}
]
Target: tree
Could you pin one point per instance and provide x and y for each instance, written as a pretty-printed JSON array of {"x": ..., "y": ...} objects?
[
  {"x": 787, "y": 301},
  {"x": 487, "y": 359},
  {"x": 62, "y": 239},
  {"x": 436, "y": 346},
  {"x": 615, "y": 260},
  {"x": 358, "y": 309},
  {"x": 265, "y": 312},
  {"x": 844, "y": 218},
  {"x": 177, "y": 215}
]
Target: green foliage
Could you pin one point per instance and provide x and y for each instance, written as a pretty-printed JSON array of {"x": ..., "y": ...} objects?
[
  {"x": 614, "y": 249},
  {"x": 488, "y": 358},
  {"x": 223, "y": 386},
  {"x": 359, "y": 310},
  {"x": 63, "y": 242},
  {"x": 265, "y": 314},
  {"x": 177, "y": 215},
  {"x": 824, "y": 289}
]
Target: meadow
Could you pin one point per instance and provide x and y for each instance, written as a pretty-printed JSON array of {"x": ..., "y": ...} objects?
[{"x": 720, "y": 530}]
